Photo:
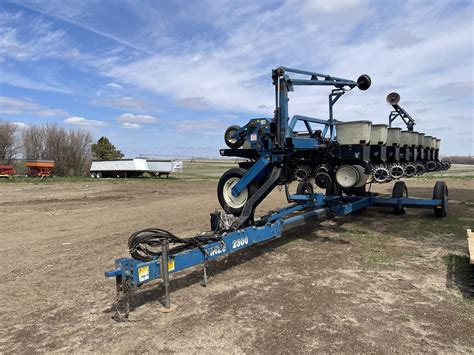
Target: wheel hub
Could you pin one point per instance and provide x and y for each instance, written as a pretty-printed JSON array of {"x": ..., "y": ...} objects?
[{"x": 231, "y": 200}]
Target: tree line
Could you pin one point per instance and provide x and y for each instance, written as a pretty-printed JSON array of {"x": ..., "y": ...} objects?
[{"x": 70, "y": 149}]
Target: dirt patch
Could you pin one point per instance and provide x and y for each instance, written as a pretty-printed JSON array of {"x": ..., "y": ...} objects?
[{"x": 370, "y": 282}]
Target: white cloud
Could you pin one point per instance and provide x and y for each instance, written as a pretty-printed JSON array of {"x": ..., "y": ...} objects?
[
  {"x": 14, "y": 106},
  {"x": 333, "y": 6},
  {"x": 45, "y": 84},
  {"x": 131, "y": 118},
  {"x": 195, "y": 103},
  {"x": 129, "y": 125},
  {"x": 202, "y": 125},
  {"x": 11, "y": 105},
  {"x": 52, "y": 112},
  {"x": 81, "y": 121},
  {"x": 114, "y": 86},
  {"x": 122, "y": 102},
  {"x": 24, "y": 38}
]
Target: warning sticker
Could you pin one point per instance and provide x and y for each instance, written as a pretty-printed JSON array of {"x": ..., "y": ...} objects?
[
  {"x": 170, "y": 265},
  {"x": 143, "y": 273}
]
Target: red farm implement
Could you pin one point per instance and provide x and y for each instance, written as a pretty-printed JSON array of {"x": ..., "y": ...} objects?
[
  {"x": 40, "y": 168},
  {"x": 6, "y": 171}
]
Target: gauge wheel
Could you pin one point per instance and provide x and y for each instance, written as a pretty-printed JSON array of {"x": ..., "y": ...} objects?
[
  {"x": 230, "y": 203},
  {"x": 440, "y": 192},
  {"x": 399, "y": 191},
  {"x": 233, "y": 142},
  {"x": 304, "y": 187}
]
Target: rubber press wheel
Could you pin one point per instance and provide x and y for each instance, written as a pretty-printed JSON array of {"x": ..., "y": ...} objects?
[
  {"x": 232, "y": 142},
  {"x": 399, "y": 191},
  {"x": 440, "y": 192},
  {"x": 230, "y": 203},
  {"x": 304, "y": 187}
]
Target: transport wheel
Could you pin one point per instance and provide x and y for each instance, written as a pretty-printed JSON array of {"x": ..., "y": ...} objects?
[
  {"x": 98, "y": 175},
  {"x": 93, "y": 175},
  {"x": 399, "y": 190},
  {"x": 230, "y": 203},
  {"x": 304, "y": 187},
  {"x": 440, "y": 192},
  {"x": 232, "y": 142}
]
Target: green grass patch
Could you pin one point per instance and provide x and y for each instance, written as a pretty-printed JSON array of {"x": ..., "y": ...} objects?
[
  {"x": 376, "y": 258},
  {"x": 449, "y": 225}
]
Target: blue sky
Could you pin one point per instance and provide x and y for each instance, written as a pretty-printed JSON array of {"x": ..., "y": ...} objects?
[{"x": 167, "y": 77}]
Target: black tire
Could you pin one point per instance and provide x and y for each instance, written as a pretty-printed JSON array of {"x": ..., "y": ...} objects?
[
  {"x": 334, "y": 190},
  {"x": 232, "y": 142},
  {"x": 399, "y": 190},
  {"x": 304, "y": 187},
  {"x": 228, "y": 202},
  {"x": 440, "y": 192},
  {"x": 364, "y": 82}
]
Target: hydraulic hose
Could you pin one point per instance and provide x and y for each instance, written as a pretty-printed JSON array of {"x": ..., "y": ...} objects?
[{"x": 145, "y": 245}]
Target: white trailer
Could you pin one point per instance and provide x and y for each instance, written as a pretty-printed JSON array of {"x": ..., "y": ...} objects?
[
  {"x": 164, "y": 167},
  {"x": 134, "y": 167},
  {"x": 118, "y": 168}
]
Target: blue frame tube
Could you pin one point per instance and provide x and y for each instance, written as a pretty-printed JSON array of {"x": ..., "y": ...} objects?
[
  {"x": 298, "y": 71},
  {"x": 250, "y": 175},
  {"x": 312, "y": 206}
]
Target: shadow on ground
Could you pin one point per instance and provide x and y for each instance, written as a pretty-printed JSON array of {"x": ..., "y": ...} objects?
[{"x": 460, "y": 274}]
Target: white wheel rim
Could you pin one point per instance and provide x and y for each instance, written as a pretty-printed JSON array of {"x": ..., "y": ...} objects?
[
  {"x": 347, "y": 176},
  {"x": 231, "y": 200},
  {"x": 231, "y": 140}
]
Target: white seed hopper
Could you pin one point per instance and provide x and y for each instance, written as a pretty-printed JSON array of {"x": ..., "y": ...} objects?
[
  {"x": 378, "y": 134},
  {"x": 393, "y": 136},
  {"x": 427, "y": 142},
  {"x": 405, "y": 139},
  {"x": 421, "y": 137},
  {"x": 353, "y": 132}
]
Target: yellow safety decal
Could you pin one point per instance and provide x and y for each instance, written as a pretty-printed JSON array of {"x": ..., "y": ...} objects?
[
  {"x": 143, "y": 273},
  {"x": 170, "y": 265}
]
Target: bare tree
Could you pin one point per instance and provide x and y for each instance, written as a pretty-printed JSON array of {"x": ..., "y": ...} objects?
[
  {"x": 9, "y": 144},
  {"x": 70, "y": 149},
  {"x": 33, "y": 140}
]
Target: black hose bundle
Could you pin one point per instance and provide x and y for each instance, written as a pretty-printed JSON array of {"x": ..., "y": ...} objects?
[{"x": 145, "y": 245}]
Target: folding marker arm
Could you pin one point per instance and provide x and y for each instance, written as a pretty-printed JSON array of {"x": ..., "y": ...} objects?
[
  {"x": 393, "y": 99},
  {"x": 400, "y": 112},
  {"x": 284, "y": 84}
]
